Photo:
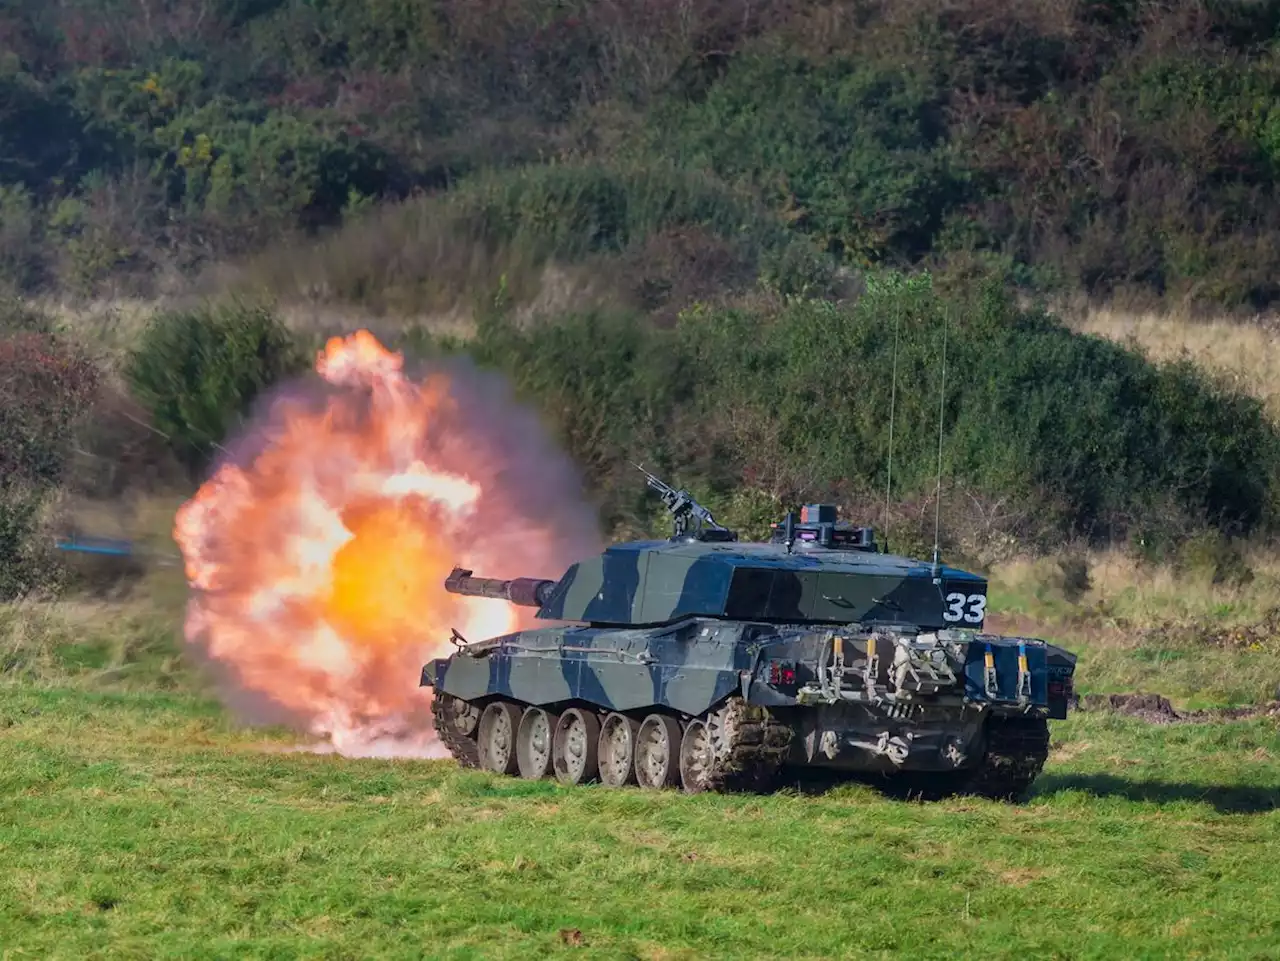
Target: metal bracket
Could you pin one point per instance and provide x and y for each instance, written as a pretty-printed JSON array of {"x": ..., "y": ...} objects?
[
  {"x": 991, "y": 683},
  {"x": 1024, "y": 675}
]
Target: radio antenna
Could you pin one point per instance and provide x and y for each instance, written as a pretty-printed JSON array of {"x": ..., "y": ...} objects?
[
  {"x": 893, "y": 399},
  {"x": 942, "y": 406}
]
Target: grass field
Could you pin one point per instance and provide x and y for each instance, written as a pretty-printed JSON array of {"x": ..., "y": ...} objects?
[
  {"x": 144, "y": 825},
  {"x": 137, "y": 820}
]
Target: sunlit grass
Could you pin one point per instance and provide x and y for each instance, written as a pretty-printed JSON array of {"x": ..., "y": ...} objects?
[
  {"x": 1245, "y": 355},
  {"x": 1149, "y": 627},
  {"x": 146, "y": 825},
  {"x": 138, "y": 820}
]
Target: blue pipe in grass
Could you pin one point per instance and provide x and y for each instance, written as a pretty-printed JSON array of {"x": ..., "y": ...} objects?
[{"x": 99, "y": 545}]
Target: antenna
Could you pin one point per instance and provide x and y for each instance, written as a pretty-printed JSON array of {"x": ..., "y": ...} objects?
[
  {"x": 893, "y": 399},
  {"x": 942, "y": 406}
]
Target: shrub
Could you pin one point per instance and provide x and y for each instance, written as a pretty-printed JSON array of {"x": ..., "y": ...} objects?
[
  {"x": 571, "y": 210},
  {"x": 1075, "y": 430},
  {"x": 660, "y": 237},
  {"x": 852, "y": 151},
  {"x": 19, "y": 252},
  {"x": 198, "y": 371},
  {"x": 45, "y": 388}
]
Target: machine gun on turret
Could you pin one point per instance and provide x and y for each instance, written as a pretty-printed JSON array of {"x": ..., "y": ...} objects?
[{"x": 691, "y": 521}]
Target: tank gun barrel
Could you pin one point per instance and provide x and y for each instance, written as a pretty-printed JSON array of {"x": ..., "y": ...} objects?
[{"x": 525, "y": 591}]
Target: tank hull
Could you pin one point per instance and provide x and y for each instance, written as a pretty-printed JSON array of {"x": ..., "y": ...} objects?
[{"x": 961, "y": 710}]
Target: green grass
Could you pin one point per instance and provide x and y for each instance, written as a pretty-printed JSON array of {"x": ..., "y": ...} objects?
[
  {"x": 138, "y": 820},
  {"x": 146, "y": 825}
]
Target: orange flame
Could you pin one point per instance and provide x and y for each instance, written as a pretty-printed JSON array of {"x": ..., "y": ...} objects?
[{"x": 317, "y": 557}]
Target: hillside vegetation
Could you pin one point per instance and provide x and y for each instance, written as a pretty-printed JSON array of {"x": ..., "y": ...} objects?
[
  {"x": 726, "y": 240},
  {"x": 1122, "y": 147},
  {"x": 722, "y": 239},
  {"x": 1049, "y": 437}
]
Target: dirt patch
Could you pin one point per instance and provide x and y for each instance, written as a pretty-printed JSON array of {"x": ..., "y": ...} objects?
[
  {"x": 1157, "y": 709},
  {"x": 1021, "y": 877},
  {"x": 1069, "y": 751},
  {"x": 572, "y": 937},
  {"x": 1260, "y": 635},
  {"x": 1148, "y": 707},
  {"x": 1270, "y": 709}
]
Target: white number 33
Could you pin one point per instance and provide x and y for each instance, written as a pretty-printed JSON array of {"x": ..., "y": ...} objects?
[{"x": 971, "y": 608}]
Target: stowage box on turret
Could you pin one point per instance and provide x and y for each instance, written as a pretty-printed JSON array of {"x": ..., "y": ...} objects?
[{"x": 715, "y": 664}]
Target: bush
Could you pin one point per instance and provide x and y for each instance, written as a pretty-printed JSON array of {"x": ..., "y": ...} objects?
[
  {"x": 27, "y": 563},
  {"x": 45, "y": 388},
  {"x": 198, "y": 372},
  {"x": 660, "y": 238},
  {"x": 1210, "y": 557},
  {"x": 1073, "y": 429},
  {"x": 854, "y": 152},
  {"x": 572, "y": 210}
]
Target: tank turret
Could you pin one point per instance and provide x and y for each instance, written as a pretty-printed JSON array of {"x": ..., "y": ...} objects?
[{"x": 525, "y": 591}]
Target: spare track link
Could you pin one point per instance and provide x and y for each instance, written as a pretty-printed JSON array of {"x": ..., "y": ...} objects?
[
  {"x": 750, "y": 747},
  {"x": 1016, "y": 750},
  {"x": 463, "y": 747}
]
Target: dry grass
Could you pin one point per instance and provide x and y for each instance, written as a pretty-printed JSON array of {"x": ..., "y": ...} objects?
[
  {"x": 316, "y": 312},
  {"x": 1118, "y": 585},
  {"x": 1154, "y": 628},
  {"x": 1244, "y": 354},
  {"x": 408, "y": 265},
  {"x": 109, "y": 327}
]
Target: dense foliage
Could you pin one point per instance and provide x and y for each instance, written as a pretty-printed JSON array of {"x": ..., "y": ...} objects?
[
  {"x": 199, "y": 372},
  {"x": 1059, "y": 434},
  {"x": 1114, "y": 145},
  {"x": 46, "y": 386},
  {"x": 729, "y": 180}
]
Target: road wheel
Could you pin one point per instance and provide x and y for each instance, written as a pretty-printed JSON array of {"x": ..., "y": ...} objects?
[
  {"x": 497, "y": 739},
  {"x": 617, "y": 750},
  {"x": 697, "y": 759},
  {"x": 533, "y": 743},
  {"x": 574, "y": 749},
  {"x": 658, "y": 752}
]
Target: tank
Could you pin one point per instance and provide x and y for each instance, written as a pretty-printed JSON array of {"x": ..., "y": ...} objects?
[{"x": 708, "y": 663}]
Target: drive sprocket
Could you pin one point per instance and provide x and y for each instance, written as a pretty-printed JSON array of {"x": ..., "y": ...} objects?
[
  {"x": 748, "y": 747},
  {"x": 456, "y": 723}
]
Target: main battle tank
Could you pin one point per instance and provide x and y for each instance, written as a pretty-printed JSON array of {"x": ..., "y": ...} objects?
[{"x": 715, "y": 664}]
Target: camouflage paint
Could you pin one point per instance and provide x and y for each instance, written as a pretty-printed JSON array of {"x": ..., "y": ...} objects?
[
  {"x": 681, "y": 626},
  {"x": 686, "y": 668},
  {"x": 693, "y": 666},
  {"x": 657, "y": 582}
]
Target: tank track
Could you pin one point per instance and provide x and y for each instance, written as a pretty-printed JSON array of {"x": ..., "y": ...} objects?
[
  {"x": 750, "y": 747},
  {"x": 462, "y": 746},
  {"x": 1016, "y": 751}
]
